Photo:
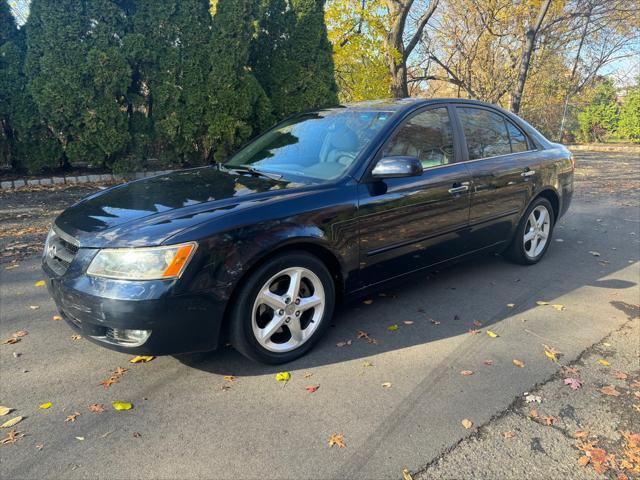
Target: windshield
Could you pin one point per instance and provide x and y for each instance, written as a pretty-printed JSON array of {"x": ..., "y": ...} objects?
[{"x": 318, "y": 146}]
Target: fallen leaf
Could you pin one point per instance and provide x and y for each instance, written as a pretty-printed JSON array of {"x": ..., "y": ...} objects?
[
  {"x": 610, "y": 390},
  {"x": 581, "y": 434},
  {"x": 283, "y": 376},
  {"x": 534, "y": 413},
  {"x": 312, "y": 388},
  {"x": 40, "y": 446},
  {"x": 11, "y": 341},
  {"x": 96, "y": 408},
  {"x": 108, "y": 382},
  {"x": 488, "y": 362},
  {"x": 118, "y": 405},
  {"x": 80, "y": 438},
  {"x": 40, "y": 283},
  {"x": 477, "y": 323},
  {"x": 574, "y": 383},
  {"x": 466, "y": 423},
  {"x": 518, "y": 363},
  {"x": 76, "y": 337},
  {"x": 549, "y": 420},
  {"x": 435, "y": 322},
  {"x": 603, "y": 362},
  {"x": 12, "y": 422},
  {"x": 474, "y": 332},
  {"x": 136, "y": 435},
  {"x": 72, "y": 417},
  {"x": 570, "y": 371},
  {"x": 406, "y": 475},
  {"x": 386, "y": 385},
  {"x": 533, "y": 398},
  {"x": 542, "y": 302},
  {"x": 364, "y": 335},
  {"x": 558, "y": 307},
  {"x": 466, "y": 373},
  {"x": 337, "y": 439},
  {"x": 11, "y": 437},
  {"x": 45, "y": 406},
  {"x": 583, "y": 461},
  {"x": 594, "y": 253},
  {"x": 511, "y": 305},
  {"x": 551, "y": 356},
  {"x": 408, "y": 322},
  {"x": 368, "y": 301},
  {"x": 229, "y": 378},
  {"x": 308, "y": 375},
  {"x": 20, "y": 333},
  {"x": 492, "y": 334},
  {"x": 343, "y": 344},
  {"x": 619, "y": 375},
  {"x": 142, "y": 359},
  {"x": 392, "y": 327},
  {"x": 34, "y": 307},
  {"x": 367, "y": 364},
  {"x": 57, "y": 317},
  {"x": 5, "y": 410},
  {"x": 508, "y": 434}
]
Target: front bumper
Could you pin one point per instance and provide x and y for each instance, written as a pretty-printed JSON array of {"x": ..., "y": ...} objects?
[{"x": 94, "y": 307}]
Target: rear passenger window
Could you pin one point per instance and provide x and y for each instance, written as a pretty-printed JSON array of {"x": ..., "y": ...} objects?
[
  {"x": 518, "y": 140},
  {"x": 427, "y": 136},
  {"x": 485, "y": 132}
]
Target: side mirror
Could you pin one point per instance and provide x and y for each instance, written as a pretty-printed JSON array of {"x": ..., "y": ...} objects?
[{"x": 397, "y": 167}]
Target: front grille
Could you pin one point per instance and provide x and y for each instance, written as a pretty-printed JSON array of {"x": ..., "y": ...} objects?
[{"x": 60, "y": 250}]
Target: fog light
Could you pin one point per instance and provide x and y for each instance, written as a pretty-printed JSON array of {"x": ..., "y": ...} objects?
[{"x": 128, "y": 338}]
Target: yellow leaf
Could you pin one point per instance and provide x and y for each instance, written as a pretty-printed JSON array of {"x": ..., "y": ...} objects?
[
  {"x": 511, "y": 305},
  {"x": 142, "y": 359},
  {"x": 492, "y": 334},
  {"x": 518, "y": 363},
  {"x": 368, "y": 302},
  {"x": 40, "y": 283},
  {"x": 392, "y": 327},
  {"x": 406, "y": 475},
  {"x": 558, "y": 307},
  {"x": 12, "y": 422},
  {"x": 603, "y": 362},
  {"x": 121, "y": 405},
  {"x": 386, "y": 385},
  {"x": 337, "y": 439},
  {"x": 57, "y": 317},
  {"x": 229, "y": 378},
  {"x": 551, "y": 355},
  {"x": 283, "y": 376},
  {"x": 4, "y": 411},
  {"x": 542, "y": 302},
  {"x": 45, "y": 406},
  {"x": 466, "y": 423}
]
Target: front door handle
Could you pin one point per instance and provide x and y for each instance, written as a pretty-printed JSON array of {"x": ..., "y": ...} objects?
[
  {"x": 528, "y": 173},
  {"x": 459, "y": 188}
]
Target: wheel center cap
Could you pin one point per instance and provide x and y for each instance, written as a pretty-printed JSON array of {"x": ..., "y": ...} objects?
[{"x": 290, "y": 309}]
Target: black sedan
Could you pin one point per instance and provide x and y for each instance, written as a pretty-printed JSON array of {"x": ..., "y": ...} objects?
[{"x": 327, "y": 204}]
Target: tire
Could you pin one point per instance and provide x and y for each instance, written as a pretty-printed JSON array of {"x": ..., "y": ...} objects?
[
  {"x": 271, "y": 327},
  {"x": 528, "y": 252}
]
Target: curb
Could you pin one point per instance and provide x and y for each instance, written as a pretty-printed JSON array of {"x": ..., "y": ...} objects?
[{"x": 78, "y": 179}]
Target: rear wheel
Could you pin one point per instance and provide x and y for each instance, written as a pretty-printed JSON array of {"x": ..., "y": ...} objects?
[
  {"x": 283, "y": 308},
  {"x": 533, "y": 234}
]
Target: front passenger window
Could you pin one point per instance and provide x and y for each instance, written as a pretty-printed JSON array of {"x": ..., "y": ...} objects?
[{"x": 427, "y": 136}]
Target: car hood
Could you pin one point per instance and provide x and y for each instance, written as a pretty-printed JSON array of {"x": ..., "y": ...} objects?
[{"x": 147, "y": 212}]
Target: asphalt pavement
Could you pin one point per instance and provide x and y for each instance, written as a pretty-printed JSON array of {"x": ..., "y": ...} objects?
[{"x": 188, "y": 421}]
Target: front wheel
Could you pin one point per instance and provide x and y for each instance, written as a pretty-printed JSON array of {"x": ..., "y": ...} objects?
[
  {"x": 533, "y": 233},
  {"x": 283, "y": 308}
]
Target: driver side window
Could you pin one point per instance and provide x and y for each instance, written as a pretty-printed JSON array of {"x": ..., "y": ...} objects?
[{"x": 428, "y": 136}]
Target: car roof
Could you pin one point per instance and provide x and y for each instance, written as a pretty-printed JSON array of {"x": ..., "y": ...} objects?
[{"x": 397, "y": 104}]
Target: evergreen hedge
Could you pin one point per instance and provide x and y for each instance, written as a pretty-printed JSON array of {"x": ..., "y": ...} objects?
[{"x": 113, "y": 83}]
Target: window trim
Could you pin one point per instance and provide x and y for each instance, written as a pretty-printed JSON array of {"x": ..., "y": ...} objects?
[{"x": 463, "y": 139}]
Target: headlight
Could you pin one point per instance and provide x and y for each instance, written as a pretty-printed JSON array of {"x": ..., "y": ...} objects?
[{"x": 153, "y": 263}]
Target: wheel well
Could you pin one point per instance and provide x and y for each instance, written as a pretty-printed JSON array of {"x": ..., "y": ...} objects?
[
  {"x": 325, "y": 255},
  {"x": 553, "y": 199}
]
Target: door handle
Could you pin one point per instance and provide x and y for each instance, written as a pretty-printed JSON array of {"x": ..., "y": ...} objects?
[
  {"x": 459, "y": 188},
  {"x": 528, "y": 173}
]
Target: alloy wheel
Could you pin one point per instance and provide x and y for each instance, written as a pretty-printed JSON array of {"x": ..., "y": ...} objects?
[
  {"x": 536, "y": 231},
  {"x": 288, "y": 309}
]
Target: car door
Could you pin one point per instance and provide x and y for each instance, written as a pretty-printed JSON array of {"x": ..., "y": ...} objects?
[
  {"x": 501, "y": 161},
  {"x": 410, "y": 223}
]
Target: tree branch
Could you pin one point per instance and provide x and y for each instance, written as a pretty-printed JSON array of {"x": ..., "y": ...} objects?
[{"x": 422, "y": 22}]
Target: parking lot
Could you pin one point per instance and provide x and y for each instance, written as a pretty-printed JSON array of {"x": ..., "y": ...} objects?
[{"x": 398, "y": 402}]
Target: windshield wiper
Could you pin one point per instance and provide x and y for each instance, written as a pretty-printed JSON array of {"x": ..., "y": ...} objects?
[{"x": 252, "y": 170}]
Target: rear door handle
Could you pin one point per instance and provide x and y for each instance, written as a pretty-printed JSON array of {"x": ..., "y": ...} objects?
[
  {"x": 528, "y": 173},
  {"x": 459, "y": 188}
]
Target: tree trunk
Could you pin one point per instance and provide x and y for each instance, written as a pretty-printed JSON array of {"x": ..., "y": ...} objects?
[{"x": 530, "y": 43}]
